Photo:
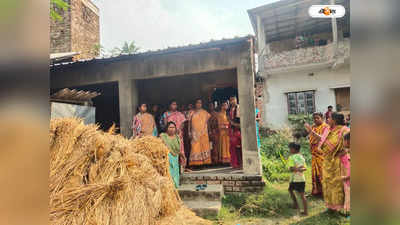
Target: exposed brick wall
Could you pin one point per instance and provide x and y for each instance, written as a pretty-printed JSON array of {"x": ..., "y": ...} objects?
[
  {"x": 79, "y": 31},
  {"x": 232, "y": 183},
  {"x": 60, "y": 32},
  {"x": 85, "y": 29}
]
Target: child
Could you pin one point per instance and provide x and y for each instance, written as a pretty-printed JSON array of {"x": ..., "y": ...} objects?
[
  {"x": 345, "y": 171},
  {"x": 297, "y": 165}
]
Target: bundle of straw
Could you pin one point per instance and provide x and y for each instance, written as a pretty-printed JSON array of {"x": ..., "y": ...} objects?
[{"x": 104, "y": 179}]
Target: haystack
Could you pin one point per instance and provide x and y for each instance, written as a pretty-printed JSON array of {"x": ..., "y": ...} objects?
[{"x": 104, "y": 179}]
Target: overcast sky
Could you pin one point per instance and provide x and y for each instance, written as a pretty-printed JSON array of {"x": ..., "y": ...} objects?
[{"x": 158, "y": 24}]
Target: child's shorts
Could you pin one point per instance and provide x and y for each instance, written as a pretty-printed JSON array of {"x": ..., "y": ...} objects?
[{"x": 297, "y": 186}]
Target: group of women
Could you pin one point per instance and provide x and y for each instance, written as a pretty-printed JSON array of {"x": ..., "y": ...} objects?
[
  {"x": 195, "y": 137},
  {"x": 330, "y": 160}
]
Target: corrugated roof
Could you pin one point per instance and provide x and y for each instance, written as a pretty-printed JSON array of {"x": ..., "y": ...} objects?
[
  {"x": 73, "y": 95},
  {"x": 169, "y": 50}
]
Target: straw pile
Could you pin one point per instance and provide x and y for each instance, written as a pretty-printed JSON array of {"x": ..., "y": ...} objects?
[{"x": 104, "y": 179}]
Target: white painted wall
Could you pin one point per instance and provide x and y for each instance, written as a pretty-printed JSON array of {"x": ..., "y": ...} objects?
[{"x": 322, "y": 82}]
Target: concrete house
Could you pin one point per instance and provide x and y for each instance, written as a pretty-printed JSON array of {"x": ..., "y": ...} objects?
[
  {"x": 304, "y": 61},
  {"x": 156, "y": 77}
]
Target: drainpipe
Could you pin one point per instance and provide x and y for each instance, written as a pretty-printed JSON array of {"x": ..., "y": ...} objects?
[{"x": 335, "y": 34}]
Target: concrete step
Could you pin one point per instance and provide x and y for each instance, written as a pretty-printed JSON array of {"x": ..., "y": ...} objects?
[
  {"x": 188, "y": 192},
  {"x": 204, "y": 208}
]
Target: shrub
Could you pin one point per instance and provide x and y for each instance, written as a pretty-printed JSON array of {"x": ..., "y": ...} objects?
[{"x": 297, "y": 124}]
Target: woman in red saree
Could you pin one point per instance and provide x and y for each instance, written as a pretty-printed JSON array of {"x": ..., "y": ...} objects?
[
  {"x": 322, "y": 129},
  {"x": 234, "y": 134}
]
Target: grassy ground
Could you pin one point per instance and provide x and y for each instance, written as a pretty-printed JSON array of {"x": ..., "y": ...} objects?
[{"x": 273, "y": 206}]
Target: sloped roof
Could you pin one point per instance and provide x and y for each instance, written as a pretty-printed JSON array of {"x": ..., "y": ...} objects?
[
  {"x": 169, "y": 50},
  {"x": 67, "y": 94}
]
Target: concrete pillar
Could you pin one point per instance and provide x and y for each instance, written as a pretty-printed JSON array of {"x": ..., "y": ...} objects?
[
  {"x": 245, "y": 77},
  {"x": 262, "y": 50},
  {"x": 128, "y": 101}
]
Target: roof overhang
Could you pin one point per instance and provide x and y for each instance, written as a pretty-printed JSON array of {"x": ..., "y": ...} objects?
[{"x": 287, "y": 18}]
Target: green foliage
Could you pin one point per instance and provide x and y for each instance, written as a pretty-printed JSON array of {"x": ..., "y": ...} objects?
[
  {"x": 271, "y": 202},
  {"x": 127, "y": 48},
  {"x": 57, "y": 4},
  {"x": 98, "y": 50},
  {"x": 297, "y": 124}
]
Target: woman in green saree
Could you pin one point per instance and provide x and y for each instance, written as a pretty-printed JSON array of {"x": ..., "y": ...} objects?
[{"x": 174, "y": 144}]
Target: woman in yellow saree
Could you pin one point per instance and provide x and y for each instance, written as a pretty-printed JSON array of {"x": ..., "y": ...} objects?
[
  {"x": 322, "y": 129},
  {"x": 224, "y": 141},
  {"x": 200, "y": 153},
  {"x": 332, "y": 183}
]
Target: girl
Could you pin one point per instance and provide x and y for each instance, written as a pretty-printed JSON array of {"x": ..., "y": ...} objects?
[{"x": 345, "y": 172}]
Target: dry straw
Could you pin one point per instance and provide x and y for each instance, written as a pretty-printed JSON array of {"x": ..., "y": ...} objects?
[{"x": 99, "y": 178}]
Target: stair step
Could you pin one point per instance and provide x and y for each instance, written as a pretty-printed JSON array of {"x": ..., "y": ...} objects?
[
  {"x": 188, "y": 192},
  {"x": 204, "y": 208}
]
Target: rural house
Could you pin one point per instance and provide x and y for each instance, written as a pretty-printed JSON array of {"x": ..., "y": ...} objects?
[{"x": 304, "y": 62}]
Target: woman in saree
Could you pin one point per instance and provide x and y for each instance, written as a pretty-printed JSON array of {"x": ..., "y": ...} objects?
[
  {"x": 143, "y": 123},
  {"x": 198, "y": 126},
  {"x": 332, "y": 144},
  {"x": 322, "y": 129},
  {"x": 234, "y": 133},
  {"x": 223, "y": 147},
  {"x": 174, "y": 144},
  {"x": 213, "y": 134},
  {"x": 173, "y": 115}
]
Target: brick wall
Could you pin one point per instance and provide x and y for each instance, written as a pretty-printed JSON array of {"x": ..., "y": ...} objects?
[
  {"x": 60, "y": 32},
  {"x": 85, "y": 28},
  {"x": 79, "y": 31},
  {"x": 232, "y": 183}
]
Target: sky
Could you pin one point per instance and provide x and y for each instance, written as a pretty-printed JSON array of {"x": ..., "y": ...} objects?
[{"x": 158, "y": 24}]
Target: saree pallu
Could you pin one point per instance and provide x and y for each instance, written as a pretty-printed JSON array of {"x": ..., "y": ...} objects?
[
  {"x": 214, "y": 136},
  {"x": 317, "y": 157},
  {"x": 174, "y": 145},
  {"x": 223, "y": 147},
  {"x": 144, "y": 125},
  {"x": 332, "y": 184},
  {"x": 200, "y": 153}
]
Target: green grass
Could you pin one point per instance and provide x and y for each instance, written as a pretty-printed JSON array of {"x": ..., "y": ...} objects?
[{"x": 272, "y": 206}]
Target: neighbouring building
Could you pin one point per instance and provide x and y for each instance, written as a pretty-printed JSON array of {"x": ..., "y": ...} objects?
[
  {"x": 78, "y": 31},
  {"x": 304, "y": 62},
  {"x": 210, "y": 71}
]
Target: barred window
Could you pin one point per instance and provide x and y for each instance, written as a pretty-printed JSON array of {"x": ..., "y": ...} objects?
[{"x": 301, "y": 102}]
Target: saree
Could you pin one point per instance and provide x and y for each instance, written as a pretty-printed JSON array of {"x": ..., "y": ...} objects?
[
  {"x": 317, "y": 157},
  {"x": 345, "y": 163},
  {"x": 258, "y": 132},
  {"x": 214, "y": 136},
  {"x": 235, "y": 148},
  {"x": 332, "y": 184},
  {"x": 174, "y": 145},
  {"x": 178, "y": 118},
  {"x": 200, "y": 152},
  {"x": 223, "y": 147},
  {"x": 144, "y": 125}
]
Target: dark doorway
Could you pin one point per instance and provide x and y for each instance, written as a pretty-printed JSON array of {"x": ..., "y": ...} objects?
[
  {"x": 107, "y": 104},
  {"x": 223, "y": 94}
]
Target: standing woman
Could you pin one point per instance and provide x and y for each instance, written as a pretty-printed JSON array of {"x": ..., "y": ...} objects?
[
  {"x": 332, "y": 184},
  {"x": 213, "y": 134},
  {"x": 234, "y": 133},
  {"x": 143, "y": 123},
  {"x": 173, "y": 115},
  {"x": 175, "y": 145},
  {"x": 198, "y": 126},
  {"x": 223, "y": 140},
  {"x": 322, "y": 129}
]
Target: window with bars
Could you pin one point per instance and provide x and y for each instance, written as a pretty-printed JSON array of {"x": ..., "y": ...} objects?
[{"x": 301, "y": 102}]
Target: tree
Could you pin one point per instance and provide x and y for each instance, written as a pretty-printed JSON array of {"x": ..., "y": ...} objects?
[
  {"x": 57, "y": 4},
  {"x": 127, "y": 48}
]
